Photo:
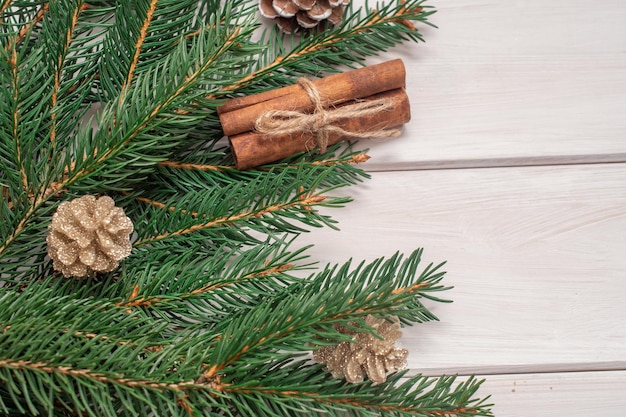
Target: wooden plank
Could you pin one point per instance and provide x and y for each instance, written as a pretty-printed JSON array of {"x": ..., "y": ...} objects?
[
  {"x": 548, "y": 395},
  {"x": 536, "y": 256},
  {"x": 576, "y": 394},
  {"x": 502, "y": 80}
]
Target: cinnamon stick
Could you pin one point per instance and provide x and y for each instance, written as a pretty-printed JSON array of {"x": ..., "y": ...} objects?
[
  {"x": 252, "y": 149},
  {"x": 240, "y": 114}
]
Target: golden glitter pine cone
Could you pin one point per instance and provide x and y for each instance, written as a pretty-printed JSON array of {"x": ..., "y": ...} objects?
[
  {"x": 87, "y": 235},
  {"x": 366, "y": 354},
  {"x": 292, "y": 15}
]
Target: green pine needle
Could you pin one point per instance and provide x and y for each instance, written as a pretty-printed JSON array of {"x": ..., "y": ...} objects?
[{"x": 217, "y": 308}]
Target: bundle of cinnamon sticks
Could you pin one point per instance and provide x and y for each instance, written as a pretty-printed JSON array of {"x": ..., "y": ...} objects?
[{"x": 383, "y": 82}]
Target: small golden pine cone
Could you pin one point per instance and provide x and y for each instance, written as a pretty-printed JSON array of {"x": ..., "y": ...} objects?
[
  {"x": 366, "y": 354},
  {"x": 87, "y": 235},
  {"x": 293, "y": 15}
]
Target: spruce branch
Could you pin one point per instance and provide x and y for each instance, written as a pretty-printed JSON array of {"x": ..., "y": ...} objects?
[
  {"x": 210, "y": 290},
  {"x": 112, "y": 154},
  {"x": 214, "y": 214},
  {"x": 142, "y": 30},
  {"x": 303, "y": 168},
  {"x": 305, "y": 312},
  {"x": 22, "y": 17},
  {"x": 126, "y": 127},
  {"x": 91, "y": 375},
  {"x": 316, "y": 394},
  {"x": 355, "y": 158},
  {"x": 366, "y": 32},
  {"x": 211, "y": 313}
]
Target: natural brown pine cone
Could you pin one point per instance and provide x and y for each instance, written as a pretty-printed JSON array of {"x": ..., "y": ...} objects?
[
  {"x": 88, "y": 234},
  {"x": 366, "y": 354},
  {"x": 293, "y": 15}
]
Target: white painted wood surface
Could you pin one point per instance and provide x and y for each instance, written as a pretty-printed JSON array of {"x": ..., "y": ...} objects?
[
  {"x": 535, "y": 255},
  {"x": 513, "y": 169},
  {"x": 558, "y": 394},
  {"x": 514, "y": 79}
]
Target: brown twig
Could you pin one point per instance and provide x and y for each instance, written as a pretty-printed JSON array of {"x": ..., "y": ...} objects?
[
  {"x": 4, "y": 7},
  {"x": 59, "y": 69},
  {"x": 224, "y": 220},
  {"x": 118, "y": 379},
  {"x": 143, "y": 32},
  {"x": 352, "y": 402},
  {"x": 198, "y": 167},
  {"x": 27, "y": 27},
  {"x": 148, "y": 301}
]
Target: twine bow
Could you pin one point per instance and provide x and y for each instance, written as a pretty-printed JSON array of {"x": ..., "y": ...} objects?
[{"x": 322, "y": 122}]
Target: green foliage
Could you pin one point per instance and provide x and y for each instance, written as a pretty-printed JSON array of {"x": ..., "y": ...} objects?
[{"x": 212, "y": 313}]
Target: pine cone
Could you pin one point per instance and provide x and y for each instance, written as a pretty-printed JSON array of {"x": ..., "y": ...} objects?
[
  {"x": 88, "y": 235},
  {"x": 366, "y": 354},
  {"x": 292, "y": 15}
]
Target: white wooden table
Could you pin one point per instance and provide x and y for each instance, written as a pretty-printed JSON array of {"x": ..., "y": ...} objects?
[{"x": 513, "y": 169}]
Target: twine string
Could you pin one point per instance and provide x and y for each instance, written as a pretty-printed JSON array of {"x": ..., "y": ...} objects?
[{"x": 322, "y": 122}]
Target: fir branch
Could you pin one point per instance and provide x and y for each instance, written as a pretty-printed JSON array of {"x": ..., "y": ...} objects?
[
  {"x": 23, "y": 122},
  {"x": 211, "y": 284},
  {"x": 117, "y": 144},
  {"x": 279, "y": 393},
  {"x": 137, "y": 300},
  {"x": 356, "y": 159},
  {"x": 58, "y": 71},
  {"x": 14, "y": 134},
  {"x": 22, "y": 177},
  {"x": 4, "y": 7},
  {"x": 206, "y": 316},
  {"x": 139, "y": 31},
  {"x": 306, "y": 312},
  {"x": 366, "y": 32},
  {"x": 66, "y": 45},
  {"x": 109, "y": 323},
  {"x": 35, "y": 96},
  {"x": 129, "y": 131},
  {"x": 89, "y": 375},
  {"x": 280, "y": 386},
  {"x": 227, "y": 220},
  {"x": 225, "y": 211},
  {"x": 305, "y": 169},
  {"x": 28, "y": 23},
  {"x": 138, "y": 45},
  {"x": 100, "y": 391}
]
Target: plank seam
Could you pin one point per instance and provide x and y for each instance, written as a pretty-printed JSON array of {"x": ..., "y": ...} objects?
[{"x": 512, "y": 162}]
